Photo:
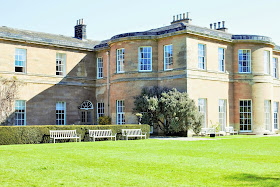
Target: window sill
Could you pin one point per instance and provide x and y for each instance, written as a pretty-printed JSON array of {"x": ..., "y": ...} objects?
[
  {"x": 168, "y": 70},
  {"x": 23, "y": 73},
  {"x": 143, "y": 71}
]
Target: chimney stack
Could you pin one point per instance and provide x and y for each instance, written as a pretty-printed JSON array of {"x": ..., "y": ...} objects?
[
  {"x": 221, "y": 27},
  {"x": 80, "y": 30},
  {"x": 181, "y": 18}
]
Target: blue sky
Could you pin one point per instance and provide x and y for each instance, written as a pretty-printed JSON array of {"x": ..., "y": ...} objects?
[{"x": 107, "y": 18}]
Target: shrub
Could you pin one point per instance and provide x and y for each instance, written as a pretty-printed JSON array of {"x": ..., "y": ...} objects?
[
  {"x": 104, "y": 120},
  {"x": 40, "y": 134}
]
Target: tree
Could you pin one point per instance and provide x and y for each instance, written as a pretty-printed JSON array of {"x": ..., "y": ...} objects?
[
  {"x": 144, "y": 104},
  {"x": 173, "y": 111},
  {"x": 8, "y": 94}
]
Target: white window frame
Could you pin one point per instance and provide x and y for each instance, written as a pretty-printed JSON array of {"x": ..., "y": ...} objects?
[
  {"x": 276, "y": 115},
  {"x": 248, "y": 116},
  {"x": 221, "y": 59},
  {"x": 20, "y": 59},
  {"x": 120, "y": 112},
  {"x": 60, "y": 111},
  {"x": 275, "y": 67},
  {"x": 99, "y": 67},
  {"x": 60, "y": 64},
  {"x": 222, "y": 114},
  {"x": 267, "y": 114},
  {"x": 148, "y": 59},
  {"x": 100, "y": 110},
  {"x": 120, "y": 60},
  {"x": 202, "y": 108},
  {"x": 248, "y": 61},
  {"x": 20, "y": 111},
  {"x": 168, "y": 57},
  {"x": 266, "y": 56},
  {"x": 201, "y": 56}
]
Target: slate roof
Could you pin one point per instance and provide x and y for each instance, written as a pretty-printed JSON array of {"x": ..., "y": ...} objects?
[
  {"x": 66, "y": 41},
  {"x": 45, "y": 38},
  {"x": 189, "y": 28}
]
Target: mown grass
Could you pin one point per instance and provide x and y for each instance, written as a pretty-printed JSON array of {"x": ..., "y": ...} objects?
[{"x": 252, "y": 161}]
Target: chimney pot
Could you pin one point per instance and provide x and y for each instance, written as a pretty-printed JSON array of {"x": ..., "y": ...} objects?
[
  {"x": 223, "y": 24},
  {"x": 180, "y": 16},
  {"x": 211, "y": 26},
  {"x": 188, "y": 15},
  {"x": 215, "y": 24},
  {"x": 173, "y": 18},
  {"x": 219, "y": 25},
  {"x": 177, "y": 17},
  {"x": 184, "y": 15}
]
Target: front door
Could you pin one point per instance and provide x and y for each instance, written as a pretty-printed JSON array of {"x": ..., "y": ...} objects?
[{"x": 86, "y": 117}]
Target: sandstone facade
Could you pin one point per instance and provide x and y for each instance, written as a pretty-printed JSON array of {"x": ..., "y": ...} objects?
[{"x": 80, "y": 82}]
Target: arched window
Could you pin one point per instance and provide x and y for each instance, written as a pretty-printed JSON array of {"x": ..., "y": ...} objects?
[{"x": 86, "y": 105}]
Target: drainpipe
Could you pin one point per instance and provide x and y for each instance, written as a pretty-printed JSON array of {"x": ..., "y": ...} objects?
[{"x": 108, "y": 81}]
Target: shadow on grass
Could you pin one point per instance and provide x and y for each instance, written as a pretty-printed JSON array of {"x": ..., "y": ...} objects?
[{"x": 272, "y": 179}]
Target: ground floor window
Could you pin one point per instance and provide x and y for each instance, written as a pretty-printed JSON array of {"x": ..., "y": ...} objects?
[
  {"x": 100, "y": 110},
  {"x": 222, "y": 114},
  {"x": 60, "y": 113},
  {"x": 202, "y": 110},
  {"x": 120, "y": 113},
  {"x": 275, "y": 114},
  {"x": 267, "y": 114},
  {"x": 245, "y": 115},
  {"x": 20, "y": 112}
]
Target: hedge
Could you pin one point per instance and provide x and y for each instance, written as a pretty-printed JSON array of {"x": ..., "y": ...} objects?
[{"x": 40, "y": 134}]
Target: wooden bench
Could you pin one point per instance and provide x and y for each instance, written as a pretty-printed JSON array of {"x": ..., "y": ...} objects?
[
  {"x": 64, "y": 134},
  {"x": 133, "y": 133},
  {"x": 231, "y": 130},
  {"x": 101, "y": 134},
  {"x": 207, "y": 131}
]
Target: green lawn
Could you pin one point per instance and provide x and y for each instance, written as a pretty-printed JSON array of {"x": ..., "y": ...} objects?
[{"x": 246, "y": 161}]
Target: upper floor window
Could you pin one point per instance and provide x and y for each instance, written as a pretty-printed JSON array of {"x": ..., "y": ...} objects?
[
  {"x": 20, "y": 112},
  {"x": 60, "y": 63},
  {"x": 20, "y": 60},
  {"x": 244, "y": 60},
  {"x": 168, "y": 57},
  {"x": 201, "y": 56},
  {"x": 221, "y": 53},
  {"x": 99, "y": 67},
  {"x": 145, "y": 58},
  {"x": 275, "y": 67},
  {"x": 120, "y": 60},
  {"x": 266, "y": 62}
]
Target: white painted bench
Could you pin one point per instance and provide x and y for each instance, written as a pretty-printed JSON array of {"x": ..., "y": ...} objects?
[
  {"x": 207, "y": 131},
  {"x": 64, "y": 134},
  {"x": 101, "y": 134},
  {"x": 231, "y": 130},
  {"x": 133, "y": 133}
]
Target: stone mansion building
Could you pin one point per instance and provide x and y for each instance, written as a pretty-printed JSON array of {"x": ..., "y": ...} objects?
[{"x": 234, "y": 79}]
